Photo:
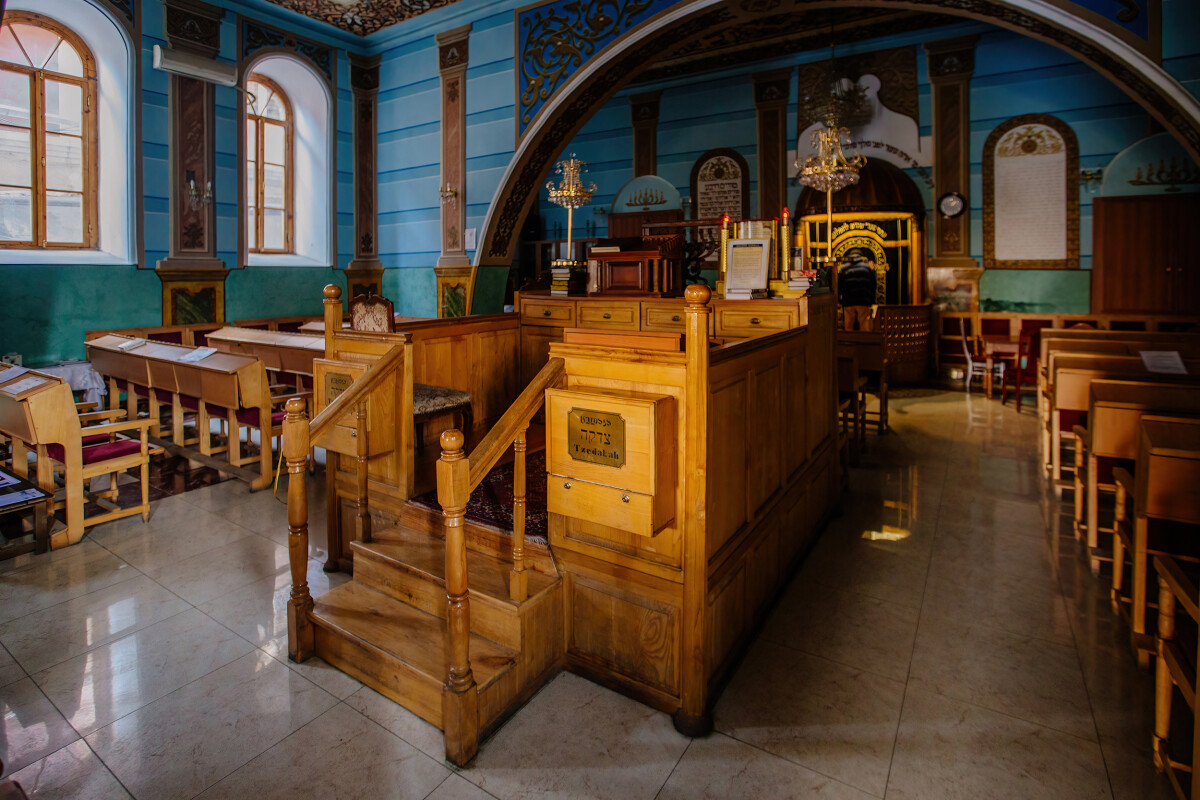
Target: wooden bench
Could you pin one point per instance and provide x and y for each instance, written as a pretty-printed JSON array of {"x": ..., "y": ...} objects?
[
  {"x": 871, "y": 351},
  {"x": 1115, "y": 409},
  {"x": 38, "y": 411},
  {"x": 1151, "y": 507},
  {"x": 1175, "y": 667},
  {"x": 223, "y": 386}
]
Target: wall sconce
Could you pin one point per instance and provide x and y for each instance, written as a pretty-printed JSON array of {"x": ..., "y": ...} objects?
[
  {"x": 1091, "y": 179},
  {"x": 195, "y": 199},
  {"x": 449, "y": 195}
]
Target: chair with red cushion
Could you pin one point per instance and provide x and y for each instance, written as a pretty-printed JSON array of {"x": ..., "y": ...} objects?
[{"x": 1023, "y": 372}]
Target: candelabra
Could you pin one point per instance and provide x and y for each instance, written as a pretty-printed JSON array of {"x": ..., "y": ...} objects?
[
  {"x": 195, "y": 197},
  {"x": 570, "y": 194},
  {"x": 449, "y": 195}
]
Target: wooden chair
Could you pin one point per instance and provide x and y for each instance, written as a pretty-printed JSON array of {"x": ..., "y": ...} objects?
[
  {"x": 372, "y": 314},
  {"x": 1023, "y": 370},
  {"x": 852, "y": 387}
]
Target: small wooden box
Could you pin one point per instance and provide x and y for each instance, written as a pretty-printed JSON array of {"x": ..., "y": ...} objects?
[
  {"x": 330, "y": 379},
  {"x": 611, "y": 458}
]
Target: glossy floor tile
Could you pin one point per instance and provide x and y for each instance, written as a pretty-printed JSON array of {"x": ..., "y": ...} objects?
[{"x": 944, "y": 639}]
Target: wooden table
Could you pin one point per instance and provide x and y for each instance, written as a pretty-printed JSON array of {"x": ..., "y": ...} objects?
[
  {"x": 996, "y": 346},
  {"x": 284, "y": 352}
]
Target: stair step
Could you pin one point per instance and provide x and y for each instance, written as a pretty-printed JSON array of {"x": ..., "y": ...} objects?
[
  {"x": 396, "y": 649},
  {"x": 412, "y": 570}
]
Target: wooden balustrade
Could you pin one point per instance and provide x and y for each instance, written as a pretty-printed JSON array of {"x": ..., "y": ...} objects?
[{"x": 518, "y": 582}]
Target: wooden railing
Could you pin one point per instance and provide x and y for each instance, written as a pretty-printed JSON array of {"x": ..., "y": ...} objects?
[
  {"x": 298, "y": 436},
  {"x": 457, "y": 476}
]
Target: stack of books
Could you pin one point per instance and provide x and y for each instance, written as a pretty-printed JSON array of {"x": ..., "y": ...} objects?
[
  {"x": 801, "y": 279},
  {"x": 565, "y": 281}
]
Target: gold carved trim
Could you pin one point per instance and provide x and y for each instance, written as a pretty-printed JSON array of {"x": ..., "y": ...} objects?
[{"x": 1072, "y": 194}]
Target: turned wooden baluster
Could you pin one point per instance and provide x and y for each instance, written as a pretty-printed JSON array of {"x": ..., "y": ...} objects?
[
  {"x": 360, "y": 434},
  {"x": 460, "y": 699},
  {"x": 300, "y": 604},
  {"x": 518, "y": 581},
  {"x": 1162, "y": 673}
]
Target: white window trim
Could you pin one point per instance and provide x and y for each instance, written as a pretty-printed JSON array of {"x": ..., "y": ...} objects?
[
  {"x": 312, "y": 164},
  {"x": 117, "y": 212}
]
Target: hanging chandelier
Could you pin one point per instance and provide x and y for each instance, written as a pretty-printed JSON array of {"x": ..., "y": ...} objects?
[{"x": 830, "y": 169}]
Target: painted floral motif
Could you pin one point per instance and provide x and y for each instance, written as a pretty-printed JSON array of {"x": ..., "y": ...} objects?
[{"x": 364, "y": 17}]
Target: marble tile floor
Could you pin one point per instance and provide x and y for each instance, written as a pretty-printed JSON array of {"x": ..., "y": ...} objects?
[{"x": 943, "y": 639}]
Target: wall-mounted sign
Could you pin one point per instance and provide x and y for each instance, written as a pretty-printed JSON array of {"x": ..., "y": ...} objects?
[{"x": 597, "y": 437}]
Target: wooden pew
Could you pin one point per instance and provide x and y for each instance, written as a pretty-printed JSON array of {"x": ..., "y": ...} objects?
[
  {"x": 1115, "y": 409},
  {"x": 236, "y": 384},
  {"x": 1173, "y": 667},
  {"x": 1067, "y": 394},
  {"x": 285, "y": 353},
  {"x": 38, "y": 410},
  {"x": 1165, "y": 492}
]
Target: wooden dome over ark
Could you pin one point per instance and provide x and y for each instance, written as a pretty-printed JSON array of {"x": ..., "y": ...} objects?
[{"x": 881, "y": 186}]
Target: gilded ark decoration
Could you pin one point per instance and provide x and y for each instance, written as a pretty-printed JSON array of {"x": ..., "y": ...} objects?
[
  {"x": 1031, "y": 195},
  {"x": 256, "y": 36},
  {"x": 555, "y": 39}
]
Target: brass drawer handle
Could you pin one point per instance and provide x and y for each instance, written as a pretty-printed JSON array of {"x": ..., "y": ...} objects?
[
  {"x": 624, "y": 498},
  {"x": 675, "y": 318},
  {"x": 545, "y": 312},
  {"x": 754, "y": 320},
  {"x": 567, "y": 485},
  {"x": 607, "y": 315}
]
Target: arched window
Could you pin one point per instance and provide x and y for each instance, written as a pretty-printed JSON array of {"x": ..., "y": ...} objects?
[
  {"x": 268, "y": 167},
  {"x": 48, "y": 139}
]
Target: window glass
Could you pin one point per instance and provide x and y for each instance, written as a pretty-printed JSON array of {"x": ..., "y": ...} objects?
[
  {"x": 16, "y": 214},
  {"x": 38, "y": 43},
  {"x": 65, "y": 61},
  {"x": 64, "y": 107},
  {"x": 14, "y": 98},
  {"x": 9, "y": 49},
  {"x": 64, "y": 162},
  {"x": 15, "y": 156},
  {"x": 64, "y": 217}
]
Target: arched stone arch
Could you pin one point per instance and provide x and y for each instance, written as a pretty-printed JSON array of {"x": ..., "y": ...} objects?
[{"x": 598, "y": 80}]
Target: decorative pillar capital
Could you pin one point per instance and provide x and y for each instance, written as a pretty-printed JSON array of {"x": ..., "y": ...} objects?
[
  {"x": 951, "y": 59},
  {"x": 193, "y": 26},
  {"x": 453, "y": 48}
]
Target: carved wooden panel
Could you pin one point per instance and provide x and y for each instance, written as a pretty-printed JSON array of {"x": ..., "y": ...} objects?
[
  {"x": 727, "y": 517},
  {"x": 364, "y": 80},
  {"x": 193, "y": 143}
]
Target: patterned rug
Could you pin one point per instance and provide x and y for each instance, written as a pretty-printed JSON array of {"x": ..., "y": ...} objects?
[{"x": 492, "y": 501}]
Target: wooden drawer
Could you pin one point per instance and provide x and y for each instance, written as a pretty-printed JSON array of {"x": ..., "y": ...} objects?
[
  {"x": 605, "y": 505},
  {"x": 552, "y": 313},
  {"x": 614, "y": 316},
  {"x": 663, "y": 317},
  {"x": 740, "y": 321}
]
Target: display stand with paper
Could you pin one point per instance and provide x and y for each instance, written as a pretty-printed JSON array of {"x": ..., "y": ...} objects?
[{"x": 748, "y": 261}]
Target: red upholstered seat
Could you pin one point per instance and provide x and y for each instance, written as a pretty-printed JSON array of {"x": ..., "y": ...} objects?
[
  {"x": 1067, "y": 420},
  {"x": 96, "y": 453},
  {"x": 190, "y": 403},
  {"x": 249, "y": 416}
]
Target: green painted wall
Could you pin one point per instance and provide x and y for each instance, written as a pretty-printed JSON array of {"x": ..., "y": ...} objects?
[
  {"x": 257, "y": 292},
  {"x": 48, "y": 308},
  {"x": 412, "y": 290},
  {"x": 1042, "y": 291}
]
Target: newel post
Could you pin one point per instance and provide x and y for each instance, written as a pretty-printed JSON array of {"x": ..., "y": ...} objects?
[
  {"x": 333, "y": 315},
  {"x": 300, "y": 604},
  {"x": 460, "y": 699},
  {"x": 694, "y": 717}
]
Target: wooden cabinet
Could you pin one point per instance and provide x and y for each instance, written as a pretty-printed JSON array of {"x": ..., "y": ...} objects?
[
  {"x": 560, "y": 313},
  {"x": 613, "y": 316},
  {"x": 1144, "y": 257},
  {"x": 611, "y": 458},
  {"x": 741, "y": 320}
]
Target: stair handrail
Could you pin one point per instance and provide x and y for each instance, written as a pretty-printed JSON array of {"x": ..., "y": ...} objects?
[
  {"x": 298, "y": 435},
  {"x": 457, "y": 476},
  {"x": 528, "y": 402}
]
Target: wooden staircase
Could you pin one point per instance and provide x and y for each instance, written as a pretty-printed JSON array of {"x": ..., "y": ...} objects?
[
  {"x": 456, "y": 624},
  {"x": 387, "y": 627}
]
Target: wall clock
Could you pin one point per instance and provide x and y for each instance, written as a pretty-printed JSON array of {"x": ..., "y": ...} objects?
[{"x": 951, "y": 204}]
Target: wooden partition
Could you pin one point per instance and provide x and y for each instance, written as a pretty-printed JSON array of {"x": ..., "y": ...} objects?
[
  {"x": 662, "y": 617},
  {"x": 908, "y": 341}
]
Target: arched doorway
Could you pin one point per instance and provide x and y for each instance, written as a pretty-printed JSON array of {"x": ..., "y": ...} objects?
[{"x": 600, "y": 78}]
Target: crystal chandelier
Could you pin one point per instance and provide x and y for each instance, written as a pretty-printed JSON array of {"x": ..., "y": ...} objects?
[
  {"x": 830, "y": 170},
  {"x": 570, "y": 194}
]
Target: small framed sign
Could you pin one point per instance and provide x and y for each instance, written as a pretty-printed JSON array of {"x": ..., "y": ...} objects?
[{"x": 747, "y": 263}]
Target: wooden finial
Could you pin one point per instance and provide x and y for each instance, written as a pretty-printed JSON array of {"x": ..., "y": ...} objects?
[
  {"x": 697, "y": 294},
  {"x": 452, "y": 441},
  {"x": 333, "y": 292},
  {"x": 295, "y": 407}
]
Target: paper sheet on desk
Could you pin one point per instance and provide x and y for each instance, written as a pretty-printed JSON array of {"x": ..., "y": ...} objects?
[
  {"x": 19, "y": 497},
  {"x": 7, "y": 480},
  {"x": 198, "y": 354},
  {"x": 1164, "y": 362}
]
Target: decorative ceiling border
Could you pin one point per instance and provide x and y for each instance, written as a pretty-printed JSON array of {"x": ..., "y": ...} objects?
[
  {"x": 1136, "y": 22},
  {"x": 257, "y": 36},
  {"x": 557, "y": 37}
]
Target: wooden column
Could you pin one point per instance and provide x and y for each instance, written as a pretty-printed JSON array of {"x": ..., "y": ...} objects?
[
  {"x": 770, "y": 101},
  {"x": 643, "y": 114},
  {"x": 192, "y": 275},
  {"x": 694, "y": 717},
  {"x": 951, "y": 63},
  {"x": 453, "y": 266},
  {"x": 364, "y": 274}
]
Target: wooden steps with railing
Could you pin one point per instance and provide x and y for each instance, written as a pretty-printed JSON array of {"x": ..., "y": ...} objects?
[{"x": 404, "y": 624}]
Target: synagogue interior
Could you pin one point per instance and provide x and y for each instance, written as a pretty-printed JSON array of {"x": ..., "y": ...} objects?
[{"x": 459, "y": 400}]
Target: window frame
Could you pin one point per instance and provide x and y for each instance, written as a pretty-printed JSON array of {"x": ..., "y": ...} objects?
[
  {"x": 89, "y": 136},
  {"x": 289, "y": 166}
]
